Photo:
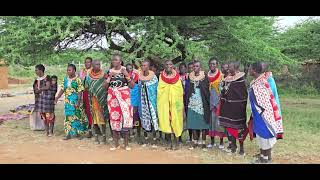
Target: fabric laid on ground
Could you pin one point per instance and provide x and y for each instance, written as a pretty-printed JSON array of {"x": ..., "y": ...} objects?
[
  {"x": 4, "y": 95},
  {"x": 13, "y": 116},
  {"x": 18, "y": 113},
  {"x": 24, "y": 109}
]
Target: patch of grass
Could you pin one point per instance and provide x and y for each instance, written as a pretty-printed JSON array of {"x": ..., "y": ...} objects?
[
  {"x": 301, "y": 126},
  {"x": 301, "y": 135},
  {"x": 298, "y": 90},
  {"x": 17, "y": 71}
]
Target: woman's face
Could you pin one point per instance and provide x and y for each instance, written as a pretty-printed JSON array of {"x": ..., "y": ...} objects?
[
  {"x": 53, "y": 81},
  {"x": 168, "y": 66},
  {"x": 116, "y": 61},
  {"x": 196, "y": 67},
  {"x": 182, "y": 69},
  {"x": 96, "y": 65},
  {"x": 190, "y": 68},
  {"x": 232, "y": 69},
  {"x": 145, "y": 66},
  {"x": 153, "y": 68},
  {"x": 70, "y": 71},
  {"x": 213, "y": 65},
  {"x": 38, "y": 72},
  {"x": 251, "y": 71},
  {"x": 225, "y": 69},
  {"x": 88, "y": 63},
  {"x": 129, "y": 68}
]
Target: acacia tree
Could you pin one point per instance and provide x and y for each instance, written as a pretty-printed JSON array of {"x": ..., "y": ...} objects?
[
  {"x": 302, "y": 41},
  {"x": 181, "y": 38}
]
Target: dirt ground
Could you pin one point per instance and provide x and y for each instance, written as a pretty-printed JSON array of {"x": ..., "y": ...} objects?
[
  {"x": 34, "y": 147},
  {"x": 18, "y": 144}
]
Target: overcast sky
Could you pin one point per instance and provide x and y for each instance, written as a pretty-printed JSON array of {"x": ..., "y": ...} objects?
[{"x": 289, "y": 21}]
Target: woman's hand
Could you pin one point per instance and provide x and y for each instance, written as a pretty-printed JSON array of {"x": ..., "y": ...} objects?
[
  {"x": 124, "y": 72},
  {"x": 112, "y": 73},
  {"x": 78, "y": 104},
  {"x": 108, "y": 80},
  {"x": 37, "y": 89},
  {"x": 56, "y": 100}
]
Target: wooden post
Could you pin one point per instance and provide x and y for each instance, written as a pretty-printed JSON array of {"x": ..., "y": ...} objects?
[{"x": 3, "y": 75}]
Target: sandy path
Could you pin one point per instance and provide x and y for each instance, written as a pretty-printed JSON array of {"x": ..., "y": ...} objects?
[{"x": 18, "y": 144}]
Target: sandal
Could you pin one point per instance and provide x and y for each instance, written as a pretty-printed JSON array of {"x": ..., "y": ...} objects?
[{"x": 209, "y": 146}]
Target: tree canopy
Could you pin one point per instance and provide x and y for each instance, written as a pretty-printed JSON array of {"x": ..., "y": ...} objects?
[
  {"x": 30, "y": 39},
  {"x": 302, "y": 41}
]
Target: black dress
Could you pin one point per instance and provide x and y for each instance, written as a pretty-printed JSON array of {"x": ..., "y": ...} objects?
[{"x": 44, "y": 101}]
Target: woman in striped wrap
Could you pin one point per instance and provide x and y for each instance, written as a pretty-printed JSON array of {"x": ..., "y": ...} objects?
[
  {"x": 215, "y": 76},
  {"x": 98, "y": 98}
]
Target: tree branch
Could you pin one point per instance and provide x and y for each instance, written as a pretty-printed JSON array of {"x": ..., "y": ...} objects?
[
  {"x": 114, "y": 46},
  {"x": 181, "y": 47},
  {"x": 125, "y": 34}
]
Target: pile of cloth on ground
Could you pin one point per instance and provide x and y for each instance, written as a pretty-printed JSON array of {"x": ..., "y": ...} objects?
[
  {"x": 6, "y": 94},
  {"x": 18, "y": 113}
]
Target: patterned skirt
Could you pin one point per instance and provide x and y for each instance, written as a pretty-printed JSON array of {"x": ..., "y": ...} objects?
[
  {"x": 74, "y": 122},
  {"x": 195, "y": 118},
  {"x": 86, "y": 104},
  {"x": 120, "y": 109},
  {"x": 44, "y": 102}
]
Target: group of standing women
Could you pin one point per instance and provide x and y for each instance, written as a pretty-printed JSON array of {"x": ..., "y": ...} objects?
[{"x": 204, "y": 103}]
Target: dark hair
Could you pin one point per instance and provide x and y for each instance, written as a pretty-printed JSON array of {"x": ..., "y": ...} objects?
[
  {"x": 54, "y": 77},
  {"x": 264, "y": 66},
  {"x": 257, "y": 67},
  {"x": 40, "y": 67},
  {"x": 182, "y": 64},
  {"x": 117, "y": 54},
  {"x": 236, "y": 64},
  {"x": 190, "y": 63},
  {"x": 167, "y": 60},
  {"x": 89, "y": 58},
  {"x": 146, "y": 61},
  {"x": 129, "y": 64},
  {"x": 73, "y": 66},
  {"x": 196, "y": 61},
  {"x": 152, "y": 64},
  {"x": 213, "y": 58}
]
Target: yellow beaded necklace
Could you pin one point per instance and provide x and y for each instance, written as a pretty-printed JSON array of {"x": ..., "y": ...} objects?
[
  {"x": 200, "y": 77},
  {"x": 146, "y": 78}
]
